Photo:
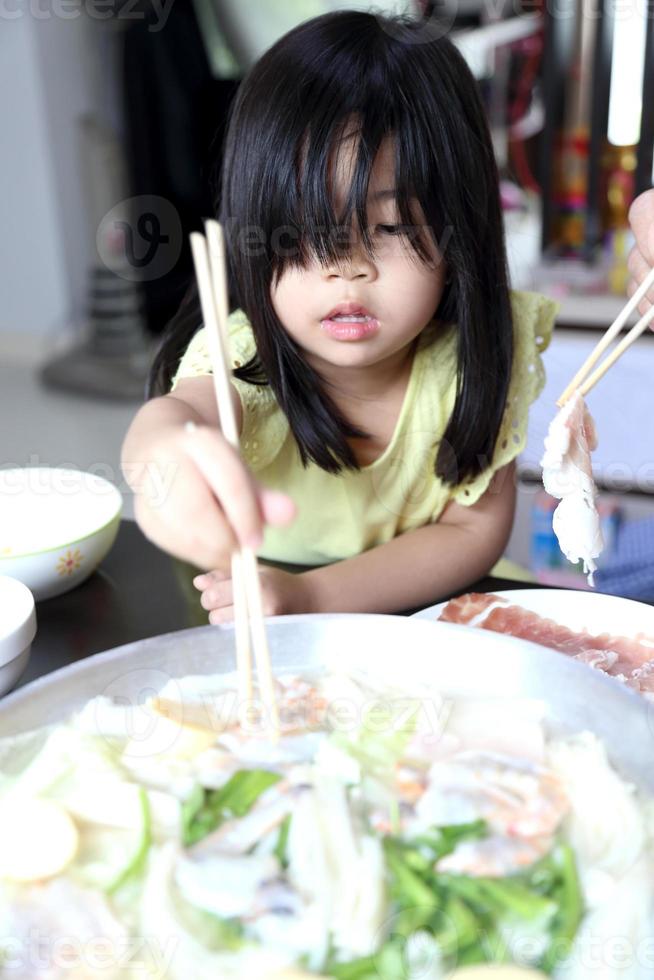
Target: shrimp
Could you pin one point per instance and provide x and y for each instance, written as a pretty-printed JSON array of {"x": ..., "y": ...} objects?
[{"x": 522, "y": 803}]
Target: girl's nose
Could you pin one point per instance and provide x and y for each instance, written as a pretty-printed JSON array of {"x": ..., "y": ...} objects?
[{"x": 355, "y": 266}]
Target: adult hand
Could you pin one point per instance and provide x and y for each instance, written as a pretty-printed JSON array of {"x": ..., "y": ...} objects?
[{"x": 641, "y": 257}]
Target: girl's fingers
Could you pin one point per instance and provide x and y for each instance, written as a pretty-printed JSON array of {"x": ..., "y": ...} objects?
[
  {"x": 218, "y": 595},
  {"x": 204, "y": 541},
  {"x": 207, "y": 579},
  {"x": 277, "y": 508},
  {"x": 225, "y": 472},
  {"x": 219, "y": 617}
]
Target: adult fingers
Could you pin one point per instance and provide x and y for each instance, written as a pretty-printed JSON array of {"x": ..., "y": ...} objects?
[
  {"x": 639, "y": 270},
  {"x": 641, "y": 219}
]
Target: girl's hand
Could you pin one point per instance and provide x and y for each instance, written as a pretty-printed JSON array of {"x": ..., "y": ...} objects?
[
  {"x": 641, "y": 257},
  {"x": 197, "y": 499},
  {"x": 282, "y": 594}
]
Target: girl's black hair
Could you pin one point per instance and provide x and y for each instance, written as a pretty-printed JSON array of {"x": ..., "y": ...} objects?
[{"x": 396, "y": 77}]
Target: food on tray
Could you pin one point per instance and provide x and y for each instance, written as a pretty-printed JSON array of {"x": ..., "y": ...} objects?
[
  {"x": 630, "y": 659},
  {"x": 388, "y": 833},
  {"x": 26, "y": 853},
  {"x": 567, "y": 475}
]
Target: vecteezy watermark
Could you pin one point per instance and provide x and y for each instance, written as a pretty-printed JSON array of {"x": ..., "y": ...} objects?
[
  {"x": 420, "y": 951},
  {"x": 155, "y": 12},
  {"x": 35, "y": 953},
  {"x": 440, "y": 18},
  {"x": 426, "y": 946},
  {"x": 123, "y": 711},
  {"x": 288, "y": 241},
  {"x": 153, "y": 712},
  {"x": 407, "y": 487},
  {"x": 141, "y": 238},
  {"x": 38, "y": 479}
]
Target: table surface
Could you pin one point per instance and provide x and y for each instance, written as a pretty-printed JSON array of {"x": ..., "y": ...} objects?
[{"x": 137, "y": 592}]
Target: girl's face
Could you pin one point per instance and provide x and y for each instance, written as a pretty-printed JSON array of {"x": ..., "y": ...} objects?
[{"x": 392, "y": 296}]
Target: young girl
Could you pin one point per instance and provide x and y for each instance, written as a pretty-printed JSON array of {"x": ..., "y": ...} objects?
[{"x": 382, "y": 370}]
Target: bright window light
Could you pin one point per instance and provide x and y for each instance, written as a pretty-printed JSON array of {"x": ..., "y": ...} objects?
[{"x": 627, "y": 67}]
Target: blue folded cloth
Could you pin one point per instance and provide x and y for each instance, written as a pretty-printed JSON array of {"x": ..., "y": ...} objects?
[{"x": 629, "y": 568}]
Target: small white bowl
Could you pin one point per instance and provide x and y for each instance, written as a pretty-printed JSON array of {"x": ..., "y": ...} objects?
[
  {"x": 56, "y": 526},
  {"x": 17, "y": 630}
]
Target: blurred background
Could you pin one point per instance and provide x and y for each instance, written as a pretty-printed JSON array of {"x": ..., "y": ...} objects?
[{"x": 109, "y": 109}]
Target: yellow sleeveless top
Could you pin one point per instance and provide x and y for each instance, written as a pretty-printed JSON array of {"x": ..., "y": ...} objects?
[{"x": 341, "y": 515}]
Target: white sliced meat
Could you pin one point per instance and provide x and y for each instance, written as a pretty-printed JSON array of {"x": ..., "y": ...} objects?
[
  {"x": 337, "y": 869},
  {"x": 291, "y": 936},
  {"x": 224, "y": 884},
  {"x": 36, "y": 920},
  {"x": 262, "y": 752},
  {"x": 614, "y": 941},
  {"x": 567, "y": 475},
  {"x": 605, "y": 824},
  {"x": 498, "y": 726},
  {"x": 187, "y": 958}
]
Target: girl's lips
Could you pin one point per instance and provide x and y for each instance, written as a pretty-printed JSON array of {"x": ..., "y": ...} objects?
[{"x": 344, "y": 330}]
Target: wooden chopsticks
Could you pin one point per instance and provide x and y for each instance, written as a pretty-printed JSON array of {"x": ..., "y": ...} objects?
[
  {"x": 582, "y": 380},
  {"x": 250, "y": 630}
]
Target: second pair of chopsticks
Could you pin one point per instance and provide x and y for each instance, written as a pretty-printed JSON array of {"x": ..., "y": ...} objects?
[
  {"x": 250, "y": 630},
  {"x": 583, "y": 382}
]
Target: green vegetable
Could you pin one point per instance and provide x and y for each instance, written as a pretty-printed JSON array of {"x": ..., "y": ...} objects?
[
  {"x": 362, "y": 969},
  {"x": 110, "y": 857},
  {"x": 378, "y": 752},
  {"x": 441, "y": 841},
  {"x": 140, "y": 855},
  {"x": 281, "y": 847},
  {"x": 409, "y": 887},
  {"x": 570, "y": 905},
  {"x": 470, "y": 919},
  {"x": 501, "y": 896},
  {"x": 206, "y": 810}
]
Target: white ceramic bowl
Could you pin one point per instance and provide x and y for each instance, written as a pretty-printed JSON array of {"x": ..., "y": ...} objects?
[
  {"x": 17, "y": 630},
  {"x": 56, "y": 526}
]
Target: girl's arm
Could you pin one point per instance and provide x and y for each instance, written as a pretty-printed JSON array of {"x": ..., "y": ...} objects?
[
  {"x": 193, "y": 401},
  {"x": 415, "y": 569},
  {"x": 419, "y": 567}
]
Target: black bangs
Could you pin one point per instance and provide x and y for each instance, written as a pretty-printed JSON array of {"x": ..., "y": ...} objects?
[
  {"x": 367, "y": 78},
  {"x": 299, "y": 118}
]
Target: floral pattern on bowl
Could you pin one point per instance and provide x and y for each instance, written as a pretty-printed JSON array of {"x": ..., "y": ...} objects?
[{"x": 70, "y": 562}]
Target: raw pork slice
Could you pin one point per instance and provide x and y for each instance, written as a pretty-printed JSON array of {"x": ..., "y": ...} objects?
[
  {"x": 567, "y": 475},
  {"x": 631, "y": 659}
]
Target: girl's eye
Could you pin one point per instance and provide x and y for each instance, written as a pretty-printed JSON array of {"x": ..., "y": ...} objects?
[{"x": 392, "y": 229}]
